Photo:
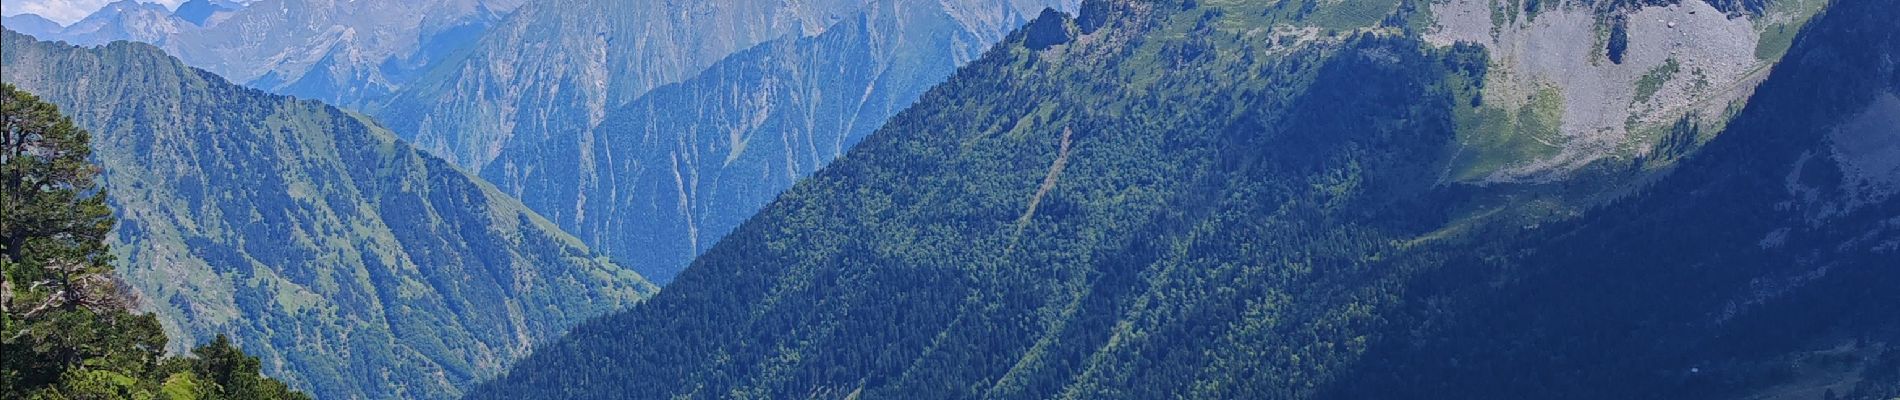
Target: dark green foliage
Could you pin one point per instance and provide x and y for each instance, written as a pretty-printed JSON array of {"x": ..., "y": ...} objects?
[
  {"x": 48, "y": 195},
  {"x": 59, "y": 307},
  {"x": 1683, "y": 137},
  {"x": 230, "y": 374},
  {"x": 350, "y": 263},
  {"x": 66, "y": 326}
]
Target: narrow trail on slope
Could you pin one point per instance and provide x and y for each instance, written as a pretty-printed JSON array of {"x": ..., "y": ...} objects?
[{"x": 1048, "y": 183}]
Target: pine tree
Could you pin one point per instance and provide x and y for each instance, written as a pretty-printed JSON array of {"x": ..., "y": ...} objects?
[
  {"x": 234, "y": 375},
  {"x": 60, "y": 310}
]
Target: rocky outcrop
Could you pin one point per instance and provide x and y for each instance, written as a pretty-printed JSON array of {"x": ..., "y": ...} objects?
[{"x": 1049, "y": 29}]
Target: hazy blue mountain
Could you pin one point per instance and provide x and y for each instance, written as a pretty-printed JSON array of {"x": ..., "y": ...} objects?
[
  {"x": 124, "y": 20},
  {"x": 1224, "y": 199},
  {"x": 31, "y": 24},
  {"x": 343, "y": 52},
  {"x": 556, "y": 68},
  {"x": 666, "y": 175},
  {"x": 350, "y": 53},
  {"x": 353, "y": 264}
]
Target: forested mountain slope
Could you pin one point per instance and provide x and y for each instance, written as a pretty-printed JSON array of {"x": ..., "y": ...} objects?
[
  {"x": 353, "y": 264},
  {"x": 1221, "y": 199},
  {"x": 1106, "y": 177},
  {"x": 664, "y": 177}
]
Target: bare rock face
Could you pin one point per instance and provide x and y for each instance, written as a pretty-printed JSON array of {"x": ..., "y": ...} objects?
[
  {"x": 1557, "y": 101},
  {"x": 124, "y": 20}
]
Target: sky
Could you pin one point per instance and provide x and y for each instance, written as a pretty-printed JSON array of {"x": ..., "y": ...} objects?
[{"x": 64, "y": 12}]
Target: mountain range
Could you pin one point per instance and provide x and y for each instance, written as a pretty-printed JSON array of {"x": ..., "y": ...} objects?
[
  {"x": 891, "y": 54},
  {"x": 663, "y": 177},
  {"x": 353, "y": 265},
  {"x": 1212, "y": 199},
  {"x": 557, "y": 67},
  {"x": 1081, "y": 199},
  {"x": 32, "y": 24},
  {"x": 626, "y": 202},
  {"x": 345, "y": 53}
]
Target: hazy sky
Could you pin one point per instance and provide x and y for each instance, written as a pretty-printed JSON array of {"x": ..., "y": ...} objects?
[{"x": 64, "y": 12}]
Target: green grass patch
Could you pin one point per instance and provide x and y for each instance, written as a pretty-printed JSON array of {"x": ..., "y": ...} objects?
[
  {"x": 183, "y": 385},
  {"x": 1337, "y": 15},
  {"x": 1499, "y": 18},
  {"x": 1654, "y": 80},
  {"x": 1777, "y": 38},
  {"x": 1496, "y": 138},
  {"x": 1346, "y": 15}
]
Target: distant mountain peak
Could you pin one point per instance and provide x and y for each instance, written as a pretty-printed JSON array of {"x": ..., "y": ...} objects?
[
  {"x": 124, "y": 20},
  {"x": 127, "y": 5},
  {"x": 31, "y": 24},
  {"x": 28, "y": 17}
]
